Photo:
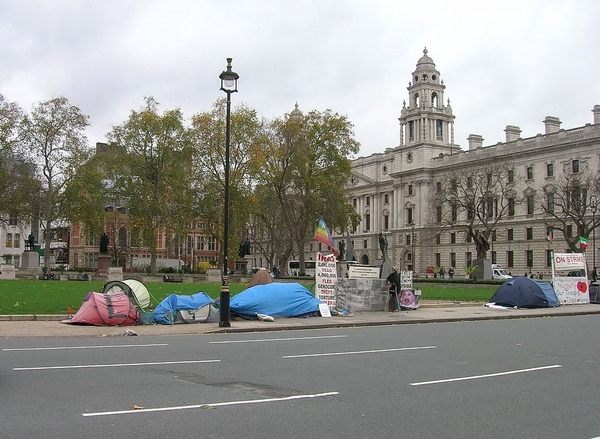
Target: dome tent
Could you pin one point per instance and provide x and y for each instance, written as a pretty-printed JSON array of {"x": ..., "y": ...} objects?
[
  {"x": 523, "y": 292},
  {"x": 134, "y": 289},
  {"x": 114, "y": 309}
]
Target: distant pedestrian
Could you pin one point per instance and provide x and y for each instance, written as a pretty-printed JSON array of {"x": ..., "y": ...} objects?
[
  {"x": 442, "y": 272},
  {"x": 393, "y": 281},
  {"x": 451, "y": 272}
]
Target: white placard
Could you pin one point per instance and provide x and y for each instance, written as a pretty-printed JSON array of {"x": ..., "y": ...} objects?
[
  {"x": 326, "y": 278},
  {"x": 324, "y": 310}
]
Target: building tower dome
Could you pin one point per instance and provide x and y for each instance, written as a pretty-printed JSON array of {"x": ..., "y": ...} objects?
[{"x": 296, "y": 114}]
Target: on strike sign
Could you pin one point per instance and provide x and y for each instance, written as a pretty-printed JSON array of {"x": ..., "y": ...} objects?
[{"x": 326, "y": 278}]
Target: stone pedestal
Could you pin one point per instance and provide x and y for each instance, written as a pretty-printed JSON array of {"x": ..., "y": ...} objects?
[
  {"x": 213, "y": 275},
  {"x": 485, "y": 269},
  {"x": 103, "y": 264},
  {"x": 7, "y": 271},
  {"x": 30, "y": 261},
  {"x": 115, "y": 273}
]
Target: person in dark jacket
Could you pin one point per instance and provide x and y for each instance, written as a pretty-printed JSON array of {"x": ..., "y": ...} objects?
[{"x": 393, "y": 281}]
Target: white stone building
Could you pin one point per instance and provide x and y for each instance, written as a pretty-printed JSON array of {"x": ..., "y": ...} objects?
[{"x": 392, "y": 191}]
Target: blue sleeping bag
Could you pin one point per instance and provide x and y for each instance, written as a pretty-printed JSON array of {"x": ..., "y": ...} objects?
[{"x": 274, "y": 299}]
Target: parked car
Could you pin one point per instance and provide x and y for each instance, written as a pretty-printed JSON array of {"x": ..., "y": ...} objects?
[{"x": 499, "y": 273}]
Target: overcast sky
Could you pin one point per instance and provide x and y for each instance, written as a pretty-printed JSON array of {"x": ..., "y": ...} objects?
[{"x": 510, "y": 64}]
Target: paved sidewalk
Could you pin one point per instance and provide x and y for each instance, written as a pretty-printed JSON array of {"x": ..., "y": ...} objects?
[{"x": 50, "y": 326}]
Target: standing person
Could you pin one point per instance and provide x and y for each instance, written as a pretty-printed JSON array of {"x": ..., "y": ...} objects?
[
  {"x": 442, "y": 272},
  {"x": 451, "y": 272},
  {"x": 393, "y": 281}
]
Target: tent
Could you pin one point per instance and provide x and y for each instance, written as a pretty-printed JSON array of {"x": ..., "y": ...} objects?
[
  {"x": 523, "y": 292},
  {"x": 135, "y": 290},
  {"x": 101, "y": 309},
  {"x": 274, "y": 299},
  {"x": 175, "y": 308},
  {"x": 261, "y": 277}
]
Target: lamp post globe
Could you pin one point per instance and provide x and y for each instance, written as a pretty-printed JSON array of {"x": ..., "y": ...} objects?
[{"x": 229, "y": 85}]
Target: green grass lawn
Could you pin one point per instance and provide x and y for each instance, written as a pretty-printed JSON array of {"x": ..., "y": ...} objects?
[{"x": 54, "y": 297}]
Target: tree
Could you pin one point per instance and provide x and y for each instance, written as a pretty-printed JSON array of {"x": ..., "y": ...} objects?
[
  {"x": 52, "y": 137},
  {"x": 305, "y": 163},
  {"x": 18, "y": 185},
  {"x": 568, "y": 205},
  {"x": 475, "y": 199},
  {"x": 153, "y": 177},
  {"x": 208, "y": 136}
]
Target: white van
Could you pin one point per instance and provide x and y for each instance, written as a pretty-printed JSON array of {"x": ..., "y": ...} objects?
[{"x": 499, "y": 273}]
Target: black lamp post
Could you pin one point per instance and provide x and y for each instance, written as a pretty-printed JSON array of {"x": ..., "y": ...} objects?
[
  {"x": 412, "y": 243},
  {"x": 593, "y": 208},
  {"x": 229, "y": 85}
]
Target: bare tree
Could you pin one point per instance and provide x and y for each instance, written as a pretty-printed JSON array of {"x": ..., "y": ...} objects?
[
  {"x": 568, "y": 205},
  {"x": 475, "y": 200}
]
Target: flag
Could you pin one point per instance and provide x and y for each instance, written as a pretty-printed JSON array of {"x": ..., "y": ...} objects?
[
  {"x": 322, "y": 235},
  {"x": 583, "y": 242},
  {"x": 549, "y": 237}
]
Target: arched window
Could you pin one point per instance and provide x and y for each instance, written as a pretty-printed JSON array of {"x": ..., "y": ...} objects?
[
  {"x": 434, "y": 100},
  {"x": 416, "y": 100},
  {"x": 122, "y": 237}
]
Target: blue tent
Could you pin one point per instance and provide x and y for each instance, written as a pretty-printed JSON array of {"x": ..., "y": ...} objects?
[
  {"x": 523, "y": 292},
  {"x": 275, "y": 299},
  {"x": 177, "y": 308}
]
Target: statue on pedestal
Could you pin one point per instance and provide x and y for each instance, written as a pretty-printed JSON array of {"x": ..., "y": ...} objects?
[
  {"x": 29, "y": 243},
  {"x": 481, "y": 243},
  {"x": 383, "y": 245},
  {"x": 104, "y": 243}
]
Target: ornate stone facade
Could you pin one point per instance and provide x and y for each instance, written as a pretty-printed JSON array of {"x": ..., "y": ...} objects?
[{"x": 392, "y": 191}]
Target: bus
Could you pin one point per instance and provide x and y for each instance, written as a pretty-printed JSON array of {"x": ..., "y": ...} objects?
[{"x": 294, "y": 268}]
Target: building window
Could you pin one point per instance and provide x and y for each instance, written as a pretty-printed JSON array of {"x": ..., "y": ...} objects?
[
  {"x": 452, "y": 238},
  {"x": 438, "y": 238},
  {"x": 453, "y": 259},
  {"x": 438, "y": 214},
  {"x": 354, "y": 203},
  {"x": 530, "y": 205},
  {"x": 493, "y": 234},
  {"x": 438, "y": 260},
  {"x": 511, "y": 207},
  {"x": 575, "y": 166},
  {"x": 411, "y": 130},
  {"x": 454, "y": 212},
  {"x": 212, "y": 243},
  {"x": 386, "y": 222},
  {"x": 550, "y": 170},
  {"x": 368, "y": 201},
  {"x": 550, "y": 201},
  {"x": 410, "y": 189},
  {"x": 529, "y": 258},
  {"x": 493, "y": 257},
  {"x": 386, "y": 198},
  {"x": 407, "y": 239},
  {"x": 438, "y": 187},
  {"x": 409, "y": 215},
  {"x": 469, "y": 182},
  {"x": 511, "y": 175},
  {"x": 529, "y": 233},
  {"x": 438, "y": 130},
  {"x": 548, "y": 258},
  {"x": 509, "y": 235},
  {"x": 570, "y": 231},
  {"x": 510, "y": 259},
  {"x": 468, "y": 259},
  {"x": 367, "y": 222},
  {"x": 8, "y": 242},
  {"x": 365, "y": 243},
  {"x": 529, "y": 172}
]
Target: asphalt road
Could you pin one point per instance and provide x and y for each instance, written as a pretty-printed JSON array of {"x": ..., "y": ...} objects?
[{"x": 527, "y": 378}]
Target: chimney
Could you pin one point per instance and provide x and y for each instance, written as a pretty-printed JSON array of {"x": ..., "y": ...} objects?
[
  {"x": 475, "y": 141},
  {"x": 552, "y": 124},
  {"x": 512, "y": 133},
  {"x": 596, "y": 112}
]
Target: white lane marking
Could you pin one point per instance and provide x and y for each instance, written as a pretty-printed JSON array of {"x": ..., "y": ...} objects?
[
  {"x": 328, "y": 354},
  {"x": 90, "y": 366},
  {"x": 275, "y": 339},
  {"x": 210, "y": 405},
  {"x": 490, "y": 375},
  {"x": 57, "y": 348}
]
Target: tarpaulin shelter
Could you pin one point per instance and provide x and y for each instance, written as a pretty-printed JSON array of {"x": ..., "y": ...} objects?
[
  {"x": 101, "y": 309},
  {"x": 135, "y": 290},
  {"x": 261, "y": 277},
  {"x": 175, "y": 308},
  {"x": 523, "y": 292},
  {"x": 274, "y": 299}
]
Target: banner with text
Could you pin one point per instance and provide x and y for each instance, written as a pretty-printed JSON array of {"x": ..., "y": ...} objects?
[
  {"x": 326, "y": 278},
  {"x": 570, "y": 290}
]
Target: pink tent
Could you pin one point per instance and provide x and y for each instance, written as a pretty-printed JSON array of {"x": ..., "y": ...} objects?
[{"x": 99, "y": 309}]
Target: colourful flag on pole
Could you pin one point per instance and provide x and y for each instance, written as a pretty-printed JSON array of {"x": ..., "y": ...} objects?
[
  {"x": 549, "y": 237},
  {"x": 322, "y": 235},
  {"x": 583, "y": 242}
]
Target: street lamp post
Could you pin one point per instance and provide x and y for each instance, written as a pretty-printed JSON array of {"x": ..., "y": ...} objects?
[
  {"x": 593, "y": 208},
  {"x": 229, "y": 85},
  {"x": 412, "y": 243}
]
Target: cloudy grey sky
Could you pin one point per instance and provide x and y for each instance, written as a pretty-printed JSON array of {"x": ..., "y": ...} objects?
[{"x": 503, "y": 63}]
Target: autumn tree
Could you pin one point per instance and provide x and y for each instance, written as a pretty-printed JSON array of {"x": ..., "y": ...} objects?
[
  {"x": 306, "y": 164},
  {"x": 18, "y": 185},
  {"x": 153, "y": 177},
  {"x": 208, "y": 137},
  {"x": 475, "y": 199},
  {"x": 568, "y": 206},
  {"x": 52, "y": 137}
]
